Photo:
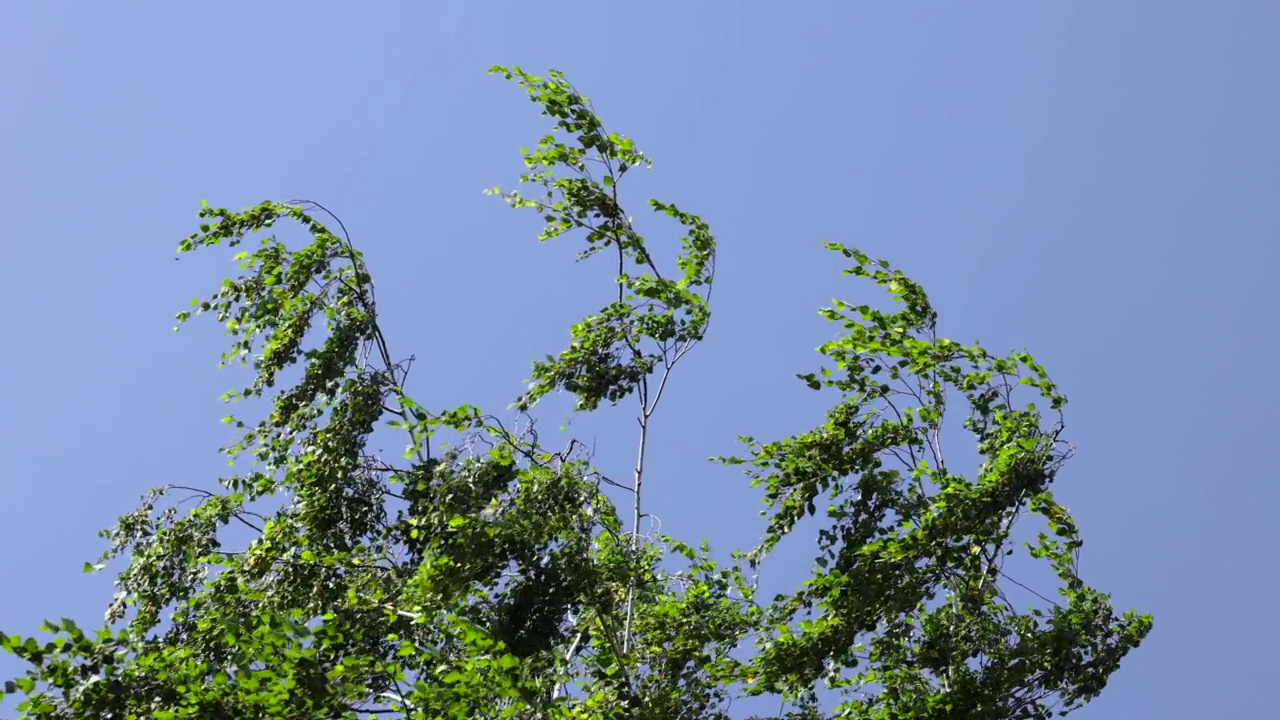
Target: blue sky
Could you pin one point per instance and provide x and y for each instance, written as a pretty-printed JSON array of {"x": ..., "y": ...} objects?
[{"x": 1094, "y": 181}]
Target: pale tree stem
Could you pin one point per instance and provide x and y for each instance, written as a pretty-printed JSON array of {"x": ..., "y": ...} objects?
[{"x": 637, "y": 486}]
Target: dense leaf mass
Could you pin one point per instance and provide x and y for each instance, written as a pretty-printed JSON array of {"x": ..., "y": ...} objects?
[{"x": 498, "y": 578}]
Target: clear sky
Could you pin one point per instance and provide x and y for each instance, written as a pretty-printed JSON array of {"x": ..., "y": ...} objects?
[{"x": 1096, "y": 181}]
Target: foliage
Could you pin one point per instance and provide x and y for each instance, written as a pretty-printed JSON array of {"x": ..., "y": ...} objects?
[{"x": 497, "y": 578}]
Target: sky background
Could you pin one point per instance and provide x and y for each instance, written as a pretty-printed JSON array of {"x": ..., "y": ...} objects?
[{"x": 1094, "y": 181}]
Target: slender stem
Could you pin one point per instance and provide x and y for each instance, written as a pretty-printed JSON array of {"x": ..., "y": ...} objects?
[
  {"x": 636, "y": 512},
  {"x": 639, "y": 481}
]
